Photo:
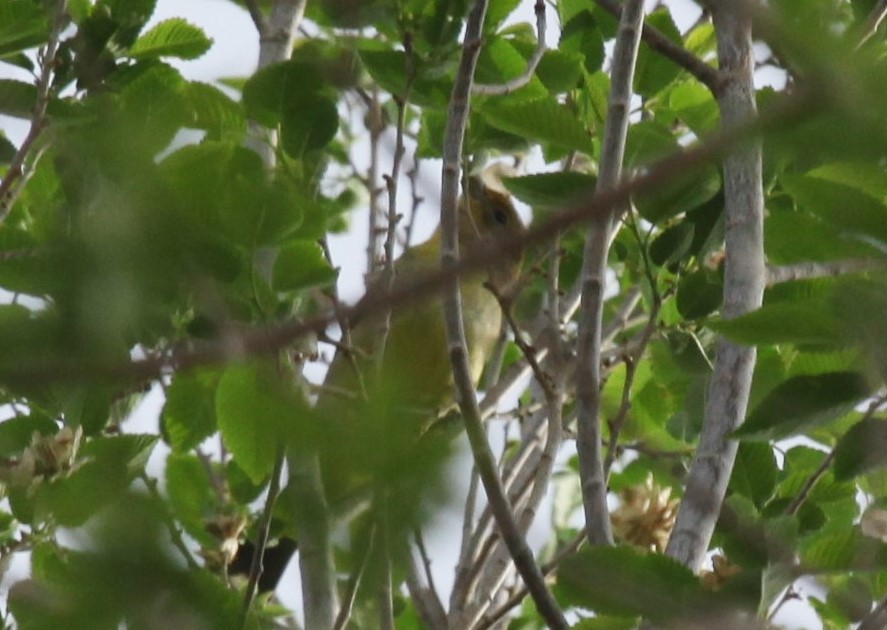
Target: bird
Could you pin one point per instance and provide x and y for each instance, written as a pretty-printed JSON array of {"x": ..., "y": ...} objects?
[{"x": 384, "y": 403}]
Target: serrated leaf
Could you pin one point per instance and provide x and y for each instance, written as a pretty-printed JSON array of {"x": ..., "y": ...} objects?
[
  {"x": 174, "y": 37},
  {"x": 300, "y": 265},
  {"x": 188, "y": 416},
  {"x": 551, "y": 191},
  {"x": 623, "y": 581},
  {"x": 862, "y": 449},
  {"x": 803, "y": 401},
  {"x": 500, "y": 61},
  {"x": 655, "y": 71},
  {"x": 581, "y": 35},
  {"x": 214, "y": 111},
  {"x": 543, "y": 120},
  {"x": 253, "y": 406}
]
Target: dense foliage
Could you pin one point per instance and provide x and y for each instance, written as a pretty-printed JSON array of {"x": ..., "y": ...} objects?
[{"x": 145, "y": 241}]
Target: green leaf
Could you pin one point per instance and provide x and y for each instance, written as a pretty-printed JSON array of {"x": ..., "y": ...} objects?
[
  {"x": 497, "y": 11},
  {"x": 862, "y": 449},
  {"x": 543, "y": 120},
  {"x": 171, "y": 38},
  {"x": 551, "y": 191},
  {"x": 655, "y": 71},
  {"x": 847, "y": 209},
  {"x": 214, "y": 111},
  {"x": 803, "y": 401},
  {"x": 7, "y": 149},
  {"x": 623, "y": 581},
  {"x": 253, "y": 406},
  {"x": 188, "y": 416},
  {"x": 17, "y": 98},
  {"x": 754, "y": 474},
  {"x": 269, "y": 93},
  {"x": 581, "y": 35},
  {"x": 694, "y": 104},
  {"x": 699, "y": 294},
  {"x": 191, "y": 495},
  {"x": 803, "y": 321},
  {"x": 300, "y": 265},
  {"x": 792, "y": 237},
  {"x": 388, "y": 68},
  {"x": 672, "y": 244},
  {"x": 681, "y": 195},
  {"x": 559, "y": 70},
  {"x": 22, "y": 25},
  {"x": 16, "y": 433},
  {"x": 308, "y": 123}
]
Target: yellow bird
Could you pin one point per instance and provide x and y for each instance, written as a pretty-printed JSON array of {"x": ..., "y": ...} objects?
[{"x": 386, "y": 405}]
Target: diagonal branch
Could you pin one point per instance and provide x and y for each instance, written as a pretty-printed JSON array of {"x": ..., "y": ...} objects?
[
  {"x": 266, "y": 339},
  {"x": 455, "y": 331}
]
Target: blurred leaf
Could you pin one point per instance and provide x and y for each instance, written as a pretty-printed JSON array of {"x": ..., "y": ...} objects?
[
  {"x": 499, "y": 62},
  {"x": 798, "y": 321},
  {"x": 862, "y": 449},
  {"x": 253, "y": 407},
  {"x": 214, "y": 111},
  {"x": 672, "y": 244},
  {"x": 171, "y": 38},
  {"x": 793, "y": 237},
  {"x": 694, "y": 104},
  {"x": 683, "y": 194},
  {"x": 300, "y": 265},
  {"x": 551, "y": 191},
  {"x": 22, "y": 25},
  {"x": 308, "y": 123},
  {"x": 699, "y": 294},
  {"x": 191, "y": 495},
  {"x": 623, "y": 581},
  {"x": 803, "y": 401},
  {"x": 17, "y": 432},
  {"x": 17, "y": 98},
  {"x": 270, "y": 93}
]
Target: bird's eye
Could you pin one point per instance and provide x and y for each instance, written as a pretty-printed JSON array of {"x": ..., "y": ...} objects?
[{"x": 501, "y": 216}]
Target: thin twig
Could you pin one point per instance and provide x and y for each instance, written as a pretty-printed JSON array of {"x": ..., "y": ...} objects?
[
  {"x": 520, "y": 81},
  {"x": 350, "y": 595},
  {"x": 175, "y": 533},
  {"x": 16, "y": 170},
  {"x": 255, "y": 570},
  {"x": 706, "y": 74}
]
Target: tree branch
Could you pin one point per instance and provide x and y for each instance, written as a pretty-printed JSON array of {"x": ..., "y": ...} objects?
[
  {"x": 527, "y": 75},
  {"x": 744, "y": 278},
  {"x": 15, "y": 173},
  {"x": 706, "y": 74},
  {"x": 811, "y": 269},
  {"x": 455, "y": 331},
  {"x": 594, "y": 269}
]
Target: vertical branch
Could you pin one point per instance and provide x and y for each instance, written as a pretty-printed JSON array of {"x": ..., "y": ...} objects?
[
  {"x": 455, "y": 331},
  {"x": 744, "y": 278},
  {"x": 594, "y": 268}
]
